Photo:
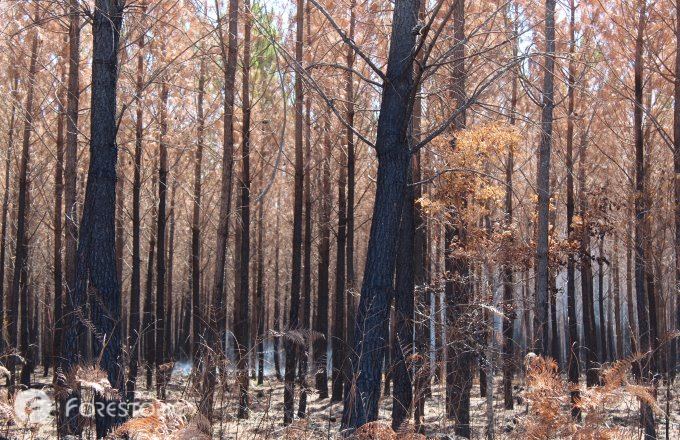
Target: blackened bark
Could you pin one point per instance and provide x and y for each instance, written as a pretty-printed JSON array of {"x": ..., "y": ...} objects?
[
  {"x": 169, "y": 337},
  {"x": 507, "y": 273},
  {"x": 55, "y": 340},
  {"x": 277, "y": 291},
  {"x": 149, "y": 310},
  {"x": 393, "y": 162},
  {"x": 134, "y": 339},
  {"x": 296, "y": 250},
  {"x": 604, "y": 349},
  {"x": 458, "y": 288},
  {"x": 321, "y": 316},
  {"x": 71, "y": 153},
  {"x": 196, "y": 313},
  {"x": 676, "y": 185},
  {"x": 5, "y": 199},
  {"x": 543, "y": 183},
  {"x": 640, "y": 257},
  {"x": 573, "y": 362},
  {"x": 216, "y": 333},
  {"x": 20, "y": 275},
  {"x": 339, "y": 342},
  {"x": 241, "y": 315},
  {"x": 402, "y": 346},
  {"x": 259, "y": 294},
  {"x": 587, "y": 293},
  {"x": 96, "y": 259},
  {"x": 161, "y": 224},
  {"x": 306, "y": 321}
]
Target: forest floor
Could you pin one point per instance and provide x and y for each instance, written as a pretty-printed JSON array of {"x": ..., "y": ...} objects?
[{"x": 323, "y": 421}]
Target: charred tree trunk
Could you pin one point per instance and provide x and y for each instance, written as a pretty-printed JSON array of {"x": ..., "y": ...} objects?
[
  {"x": 134, "y": 337},
  {"x": 321, "y": 317},
  {"x": 216, "y": 333},
  {"x": 543, "y": 184},
  {"x": 640, "y": 258},
  {"x": 277, "y": 291},
  {"x": 161, "y": 225},
  {"x": 241, "y": 315},
  {"x": 296, "y": 250},
  {"x": 393, "y": 162},
  {"x": 20, "y": 275},
  {"x": 573, "y": 362},
  {"x": 196, "y": 313},
  {"x": 676, "y": 188},
  {"x": 96, "y": 259},
  {"x": 5, "y": 202}
]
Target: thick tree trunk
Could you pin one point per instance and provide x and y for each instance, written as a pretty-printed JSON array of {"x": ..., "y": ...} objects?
[
  {"x": 393, "y": 162},
  {"x": 96, "y": 259}
]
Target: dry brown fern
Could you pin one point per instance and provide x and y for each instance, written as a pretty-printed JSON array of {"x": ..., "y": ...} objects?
[{"x": 374, "y": 431}]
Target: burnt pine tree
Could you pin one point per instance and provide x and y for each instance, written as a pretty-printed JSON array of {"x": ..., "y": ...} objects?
[
  {"x": 134, "y": 340},
  {"x": 215, "y": 336},
  {"x": 543, "y": 183},
  {"x": 296, "y": 252},
  {"x": 20, "y": 276},
  {"x": 393, "y": 161},
  {"x": 644, "y": 312},
  {"x": 572, "y": 322},
  {"x": 241, "y": 315},
  {"x": 96, "y": 259}
]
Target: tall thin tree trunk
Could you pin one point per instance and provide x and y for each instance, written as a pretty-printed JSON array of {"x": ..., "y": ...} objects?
[
  {"x": 259, "y": 293},
  {"x": 134, "y": 330},
  {"x": 604, "y": 355},
  {"x": 296, "y": 251},
  {"x": 5, "y": 200},
  {"x": 307, "y": 240},
  {"x": 459, "y": 361},
  {"x": 277, "y": 290},
  {"x": 507, "y": 272},
  {"x": 55, "y": 342},
  {"x": 573, "y": 362},
  {"x": 321, "y": 317},
  {"x": 640, "y": 257},
  {"x": 20, "y": 275},
  {"x": 216, "y": 334},
  {"x": 543, "y": 183},
  {"x": 196, "y": 312},
  {"x": 339, "y": 341},
  {"x": 676, "y": 187},
  {"x": 161, "y": 225},
  {"x": 241, "y": 315}
]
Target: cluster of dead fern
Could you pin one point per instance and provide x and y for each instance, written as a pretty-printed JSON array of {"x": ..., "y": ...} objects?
[{"x": 549, "y": 409}]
